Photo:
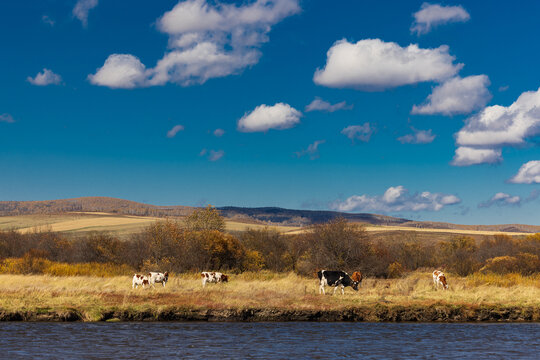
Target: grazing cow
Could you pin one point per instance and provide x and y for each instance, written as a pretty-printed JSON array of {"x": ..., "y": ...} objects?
[
  {"x": 157, "y": 277},
  {"x": 439, "y": 279},
  {"x": 213, "y": 277},
  {"x": 139, "y": 280},
  {"x": 357, "y": 276},
  {"x": 335, "y": 279}
]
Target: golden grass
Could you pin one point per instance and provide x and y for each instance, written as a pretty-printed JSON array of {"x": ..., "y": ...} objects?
[
  {"x": 80, "y": 222},
  {"x": 253, "y": 290}
]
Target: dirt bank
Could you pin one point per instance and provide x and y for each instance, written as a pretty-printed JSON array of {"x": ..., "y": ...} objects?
[{"x": 378, "y": 313}]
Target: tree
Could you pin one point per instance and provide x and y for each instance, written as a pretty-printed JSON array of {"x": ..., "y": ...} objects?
[
  {"x": 205, "y": 219},
  {"x": 338, "y": 245}
]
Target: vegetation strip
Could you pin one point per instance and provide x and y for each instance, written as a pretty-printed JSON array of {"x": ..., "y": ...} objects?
[{"x": 378, "y": 313}]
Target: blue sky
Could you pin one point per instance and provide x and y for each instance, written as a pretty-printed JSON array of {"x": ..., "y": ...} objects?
[{"x": 429, "y": 111}]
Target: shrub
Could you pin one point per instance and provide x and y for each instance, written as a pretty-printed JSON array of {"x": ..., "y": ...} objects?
[{"x": 523, "y": 263}]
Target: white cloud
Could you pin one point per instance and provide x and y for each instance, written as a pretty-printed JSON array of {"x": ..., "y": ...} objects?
[
  {"x": 312, "y": 150},
  {"x": 219, "y": 132},
  {"x": 373, "y": 64},
  {"x": 209, "y": 40},
  {"x": 172, "y": 133},
  {"x": 466, "y": 156},
  {"x": 47, "y": 77},
  {"x": 320, "y": 105},
  {"x": 498, "y": 126},
  {"x": 81, "y": 9},
  {"x": 431, "y": 15},
  {"x": 6, "y": 118},
  {"x": 46, "y": 19},
  {"x": 215, "y": 155},
  {"x": 396, "y": 199},
  {"x": 417, "y": 137},
  {"x": 358, "y": 132},
  {"x": 120, "y": 71},
  {"x": 457, "y": 96},
  {"x": 529, "y": 173},
  {"x": 501, "y": 199},
  {"x": 279, "y": 116}
]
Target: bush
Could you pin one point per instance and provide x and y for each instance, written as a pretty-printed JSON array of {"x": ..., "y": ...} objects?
[{"x": 522, "y": 263}]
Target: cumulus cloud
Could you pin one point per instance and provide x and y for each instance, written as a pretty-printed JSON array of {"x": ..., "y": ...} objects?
[
  {"x": 466, "y": 156},
  {"x": 501, "y": 199},
  {"x": 207, "y": 40},
  {"x": 373, "y": 64},
  {"x": 432, "y": 15},
  {"x": 417, "y": 137},
  {"x": 312, "y": 150},
  {"x": 219, "y": 132},
  {"x": 120, "y": 71},
  {"x": 6, "y": 118},
  {"x": 457, "y": 96},
  {"x": 358, "y": 132},
  {"x": 172, "y": 133},
  {"x": 320, "y": 105},
  {"x": 497, "y": 126},
  {"x": 44, "y": 78},
  {"x": 279, "y": 116},
  {"x": 528, "y": 173},
  {"x": 396, "y": 199},
  {"x": 81, "y": 9}
]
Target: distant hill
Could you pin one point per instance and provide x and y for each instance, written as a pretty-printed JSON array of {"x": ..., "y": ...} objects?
[
  {"x": 93, "y": 204},
  {"x": 275, "y": 215},
  {"x": 261, "y": 215}
]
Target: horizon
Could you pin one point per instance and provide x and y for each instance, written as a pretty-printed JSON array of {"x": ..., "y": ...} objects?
[{"x": 422, "y": 111}]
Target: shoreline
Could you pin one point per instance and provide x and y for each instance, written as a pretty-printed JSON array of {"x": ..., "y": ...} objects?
[{"x": 439, "y": 313}]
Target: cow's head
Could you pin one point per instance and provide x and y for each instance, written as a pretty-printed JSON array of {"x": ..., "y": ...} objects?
[
  {"x": 166, "y": 276},
  {"x": 355, "y": 285},
  {"x": 224, "y": 278}
]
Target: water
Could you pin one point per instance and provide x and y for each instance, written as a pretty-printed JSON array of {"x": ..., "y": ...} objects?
[{"x": 268, "y": 341}]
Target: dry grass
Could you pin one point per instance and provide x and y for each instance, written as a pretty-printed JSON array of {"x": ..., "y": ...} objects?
[{"x": 253, "y": 290}]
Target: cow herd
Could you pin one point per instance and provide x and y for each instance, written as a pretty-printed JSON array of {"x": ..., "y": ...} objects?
[{"x": 335, "y": 279}]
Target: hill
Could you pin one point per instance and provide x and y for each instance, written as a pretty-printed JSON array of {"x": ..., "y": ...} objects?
[
  {"x": 91, "y": 204},
  {"x": 237, "y": 217}
]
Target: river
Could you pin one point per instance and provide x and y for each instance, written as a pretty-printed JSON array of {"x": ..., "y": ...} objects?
[{"x": 285, "y": 340}]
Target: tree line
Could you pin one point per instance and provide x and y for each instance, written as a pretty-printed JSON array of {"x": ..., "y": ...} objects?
[{"x": 201, "y": 243}]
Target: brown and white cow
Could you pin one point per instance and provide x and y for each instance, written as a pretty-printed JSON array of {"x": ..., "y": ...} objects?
[
  {"x": 139, "y": 280},
  {"x": 213, "y": 277},
  {"x": 357, "y": 276},
  {"x": 439, "y": 279},
  {"x": 157, "y": 277}
]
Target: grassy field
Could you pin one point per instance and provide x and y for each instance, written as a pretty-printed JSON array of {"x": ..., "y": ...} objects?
[
  {"x": 92, "y": 297},
  {"x": 124, "y": 225},
  {"x": 82, "y": 222}
]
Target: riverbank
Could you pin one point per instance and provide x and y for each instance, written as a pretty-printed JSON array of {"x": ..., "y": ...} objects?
[{"x": 268, "y": 297}]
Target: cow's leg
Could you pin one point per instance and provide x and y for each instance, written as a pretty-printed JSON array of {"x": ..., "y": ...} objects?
[
  {"x": 163, "y": 284},
  {"x": 203, "y": 282},
  {"x": 321, "y": 289},
  {"x": 342, "y": 290},
  {"x": 335, "y": 288}
]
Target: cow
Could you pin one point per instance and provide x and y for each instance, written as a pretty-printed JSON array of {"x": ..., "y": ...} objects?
[
  {"x": 357, "y": 276},
  {"x": 335, "y": 279},
  {"x": 157, "y": 277},
  {"x": 213, "y": 277},
  {"x": 139, "y": 280},
  {"x": 439, "y": 279}
]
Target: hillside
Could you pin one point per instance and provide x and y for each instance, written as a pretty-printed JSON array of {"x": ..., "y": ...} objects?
[
  {"x": 90, "y": 204},
  {"x": 238, "y": 216}
]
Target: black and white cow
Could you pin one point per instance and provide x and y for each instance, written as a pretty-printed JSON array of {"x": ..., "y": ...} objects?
[{"x": 335, "y": 279}]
